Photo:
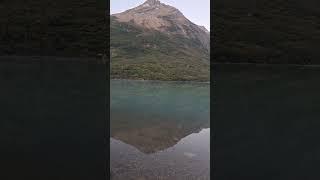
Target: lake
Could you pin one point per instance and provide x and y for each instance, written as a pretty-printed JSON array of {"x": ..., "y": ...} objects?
[
  {"x": 159, "y": 130},
  {"x": 52, "y": 119},
  {"x": 266, "y": 120}
]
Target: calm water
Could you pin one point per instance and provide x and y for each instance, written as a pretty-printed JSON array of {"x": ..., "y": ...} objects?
[
  {"x": 159, "y": 130},
  {"x": 52, "y": 120},
  {"x": 266, "y": 121}
]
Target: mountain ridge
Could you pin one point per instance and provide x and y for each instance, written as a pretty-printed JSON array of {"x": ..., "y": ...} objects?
[
  {"x": 153, "y": 14},
  {"x": 156, "y": 41}
]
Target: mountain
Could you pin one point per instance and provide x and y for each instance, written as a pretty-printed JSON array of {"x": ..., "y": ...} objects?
[
  {"x": 156, "y": 41},
  {"x": 157, "y": 16},
  {"x": 278, "y": 31}
]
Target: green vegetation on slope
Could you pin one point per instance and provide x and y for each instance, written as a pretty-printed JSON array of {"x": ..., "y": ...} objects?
[
  {"x": 141, "y": 54},
  {"x": 277, "y": 31}
]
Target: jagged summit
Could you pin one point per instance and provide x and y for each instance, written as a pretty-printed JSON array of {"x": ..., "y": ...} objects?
[
  {"x": 154, "y": 15},
  {"x": 149, "y": 8},
  {"x": 157, "y": 5},
  {"x": 152, "y": 2}
]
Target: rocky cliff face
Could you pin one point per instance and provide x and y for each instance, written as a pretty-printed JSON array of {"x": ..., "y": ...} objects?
[{"x": 154, "y": 15}]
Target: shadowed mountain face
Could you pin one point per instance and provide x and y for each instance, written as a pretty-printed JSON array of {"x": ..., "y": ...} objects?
[
  {"x": 279, "y": 31},
  {"x": 156, "y": 41}
]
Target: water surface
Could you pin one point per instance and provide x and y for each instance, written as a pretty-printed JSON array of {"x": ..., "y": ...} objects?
[
  {"x": 52, "y": 119},
  {"x": 266, "y": 121},
  {"x": 159, "y": 130}
]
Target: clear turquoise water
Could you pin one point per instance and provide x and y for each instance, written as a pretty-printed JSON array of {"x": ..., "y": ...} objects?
[{"x": 160, "y": 130}]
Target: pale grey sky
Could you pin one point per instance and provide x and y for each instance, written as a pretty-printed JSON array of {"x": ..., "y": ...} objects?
[{"x": 197, "y": 11}]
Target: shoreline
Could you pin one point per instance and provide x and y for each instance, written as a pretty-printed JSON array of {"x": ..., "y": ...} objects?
[{"x": 168, "y": 81}]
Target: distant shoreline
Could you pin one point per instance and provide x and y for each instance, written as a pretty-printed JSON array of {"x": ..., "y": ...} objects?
[{"x": 117, "y": 79}]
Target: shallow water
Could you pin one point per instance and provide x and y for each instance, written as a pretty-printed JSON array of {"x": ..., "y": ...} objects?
[{"x": 159, "y": 130}]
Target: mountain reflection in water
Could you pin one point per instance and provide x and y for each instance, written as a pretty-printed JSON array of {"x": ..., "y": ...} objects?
[{"x": 159, "y": 130}]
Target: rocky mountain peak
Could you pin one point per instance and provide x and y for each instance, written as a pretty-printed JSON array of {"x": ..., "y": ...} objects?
[
  {"x": 152, "y": 3},
  {"x": 154, "y": 15},
  {"x": 154, "y": 8}
]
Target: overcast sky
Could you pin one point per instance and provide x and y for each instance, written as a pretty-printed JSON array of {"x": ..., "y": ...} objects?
[{"x": 197, "y": 11}]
